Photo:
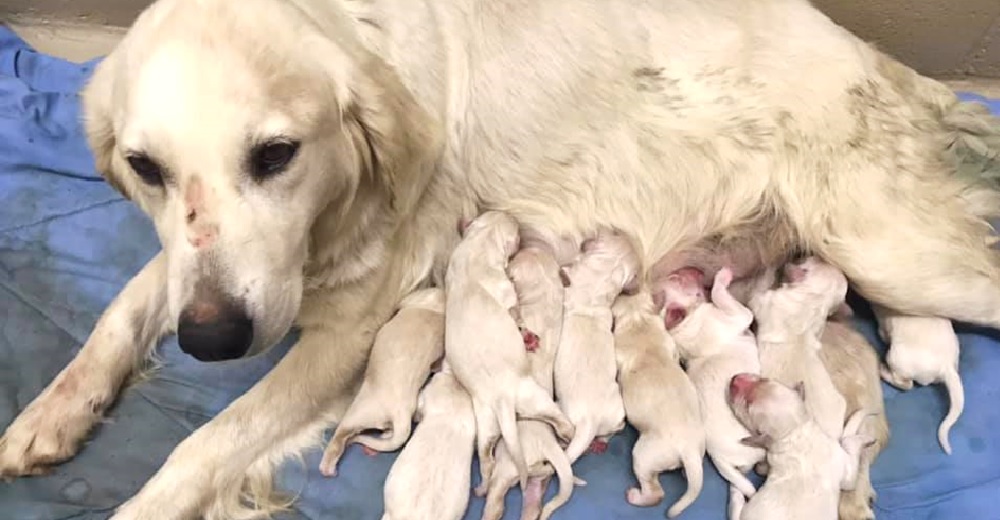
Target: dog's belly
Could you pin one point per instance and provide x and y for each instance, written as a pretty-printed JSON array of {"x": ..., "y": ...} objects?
[{"x": 610, "y": 125}]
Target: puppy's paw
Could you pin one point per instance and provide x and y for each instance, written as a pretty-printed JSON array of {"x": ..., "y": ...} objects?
[
  {"x": 48, "y": 432},
  {"x": 637, "y": 497},
  {"x": 724, "y": 277}
]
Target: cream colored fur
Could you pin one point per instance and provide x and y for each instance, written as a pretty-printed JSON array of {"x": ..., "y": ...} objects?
[
  {"x": 661, "y": 403},
  {"x": 585, "y": 372},
  {"x": 790, "y": 320},
  {"x": 923, "y": 350},
  {"x": 431, "y": 477},
  {"x": 535, "y": 275},
  {"x": 853, "y": 365},
  {"x": 671, "y": 121},
  {"x": 715, "y": 342},
  {"x": 399, "y": 365}
]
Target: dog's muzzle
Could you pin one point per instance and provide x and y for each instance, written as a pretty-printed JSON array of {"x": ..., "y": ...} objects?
[{"x": 214, "y": 328}]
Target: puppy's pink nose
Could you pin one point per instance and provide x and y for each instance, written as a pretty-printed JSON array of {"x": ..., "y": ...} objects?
[{"x": 742, "y": 384}]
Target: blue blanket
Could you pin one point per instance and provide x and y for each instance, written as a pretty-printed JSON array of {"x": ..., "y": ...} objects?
[{"x": 68, "y": 243}]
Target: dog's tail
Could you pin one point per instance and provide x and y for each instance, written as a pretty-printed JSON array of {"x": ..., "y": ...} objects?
[
  {"x": 560, "y": 462},
  {"x": 692, "y": 461},
  {"x": 956, "y": 394},
  {"x": 586, "y": 431},
  {"x": 506, "y": 413}
]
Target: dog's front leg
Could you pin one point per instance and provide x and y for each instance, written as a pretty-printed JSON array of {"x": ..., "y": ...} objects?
[
  {"x": 51, "y": 428},
  {"x": 284, "y": 413}
]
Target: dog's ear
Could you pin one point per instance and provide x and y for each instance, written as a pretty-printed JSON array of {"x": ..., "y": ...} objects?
[
  {"x": 400, "y": 138},
  {"x": 98, "y": 119},
  {"x": 757, "y": 440}
]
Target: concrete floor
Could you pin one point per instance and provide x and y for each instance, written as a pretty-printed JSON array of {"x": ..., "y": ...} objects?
[{"x": 80, "y": 42}]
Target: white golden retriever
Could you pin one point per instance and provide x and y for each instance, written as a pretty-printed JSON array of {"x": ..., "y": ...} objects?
[{"x": 306, "y": 161}]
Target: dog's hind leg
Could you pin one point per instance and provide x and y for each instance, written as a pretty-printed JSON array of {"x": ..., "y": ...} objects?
[{"x": 907, "y": 241}]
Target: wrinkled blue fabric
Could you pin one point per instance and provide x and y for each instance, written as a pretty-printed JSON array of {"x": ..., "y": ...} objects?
[{"x": 68, "y": 243}]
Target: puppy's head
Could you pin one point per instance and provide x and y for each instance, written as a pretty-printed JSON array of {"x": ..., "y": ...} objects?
[
  {"x": 681, "y": 292},
  {"x": 822, "y": 282},
  {"x": 262, "y": 142},
  {"x": 808, "y": 292},
  {"x": 492, "y": 231},
  {"x": 769, "y": 409}
]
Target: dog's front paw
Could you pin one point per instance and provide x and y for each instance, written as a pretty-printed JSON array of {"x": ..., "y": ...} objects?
[{"x": 49, "y": 431}]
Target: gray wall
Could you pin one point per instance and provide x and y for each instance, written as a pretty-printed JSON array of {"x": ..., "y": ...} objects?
[{"x": 937, "y": 37}]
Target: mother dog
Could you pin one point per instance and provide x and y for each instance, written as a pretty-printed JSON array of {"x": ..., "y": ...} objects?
[{"x": 306, "y": 162}]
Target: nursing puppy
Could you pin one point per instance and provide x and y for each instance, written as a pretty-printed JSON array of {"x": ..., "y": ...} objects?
[
  {"x": 715, "y": 341},
  {"x": 790, "y": 319},
  {"x": 660, "y": 402},
  {"x": 923, "y": 350},
  {"x": 401, "y": 359},
  {"x": 431, "y": 476},
  {"x": 535, "y": 274},
  {"x": 808, "y": 468},
  {"x": 853, "y": 366},
  {"x": 585, "y": 368},
  {"x": 485, "y": 347}
]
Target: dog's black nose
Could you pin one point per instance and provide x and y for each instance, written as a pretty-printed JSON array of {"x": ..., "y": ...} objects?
[{"x": 211, "y": 329}]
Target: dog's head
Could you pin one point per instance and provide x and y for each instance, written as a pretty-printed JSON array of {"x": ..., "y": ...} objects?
[{"x": 263, "y": 141}]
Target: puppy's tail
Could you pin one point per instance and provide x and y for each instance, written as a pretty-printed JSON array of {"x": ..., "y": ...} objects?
[
  {"x": 560, "y": 462},
  {"x": 692, "y": 461},
  {"x": 506, "y": 414},
  {"x": 586, "y": 430},
  {"x": 956, "y": 394}
]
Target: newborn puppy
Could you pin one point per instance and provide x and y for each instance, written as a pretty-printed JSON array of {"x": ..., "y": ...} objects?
[
  {"x": 484, "y": 346},
  {"x": 854, "y": 367},
  {"x": 808, "y": 468},
  {"x": 660, "y": 402},
  {"x": 399, "y": 365},
  {"x": 536, "y": 279},
  {"x": 925, "y": 350},
  {"x": 790, "y": 319},
  {"x": 431, "y": 476},
  {"x": 715, "y": 341},
  {"x": 585, "y": 366}
]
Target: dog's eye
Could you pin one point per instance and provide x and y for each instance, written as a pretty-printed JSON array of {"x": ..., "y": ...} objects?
[
  {"x": 146, "y": 169},
  {"x": 271, "y": 158}
]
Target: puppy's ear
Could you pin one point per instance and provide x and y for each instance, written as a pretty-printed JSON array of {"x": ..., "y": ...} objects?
[
  {"x": 402, "y": 140},
  {"x": 800, "y": 388},
  {"x": 98, "y": 120},
  {"x": 757, "y": 440}
]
